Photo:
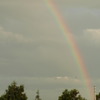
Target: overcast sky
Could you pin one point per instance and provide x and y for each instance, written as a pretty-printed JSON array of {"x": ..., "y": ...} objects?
[{"x": 34, "y": 51}]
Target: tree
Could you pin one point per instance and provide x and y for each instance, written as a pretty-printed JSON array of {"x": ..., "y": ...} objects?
[
  {"x": 37, "y": 96},
  {"x": 14, "y": 92},
  {"x": 98, "y": 96},
  {"x": 71, "y": 95}
]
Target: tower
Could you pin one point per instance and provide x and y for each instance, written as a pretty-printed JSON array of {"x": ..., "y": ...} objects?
[{"x": 94, "y": 92}]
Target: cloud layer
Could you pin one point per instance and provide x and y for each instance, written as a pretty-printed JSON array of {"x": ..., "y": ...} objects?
[
  {"x": 89, "y": 37},
  {"x": 93, "y": 35},
  {"x": 35, "y": 52},
  {"x": 11, "y": 37}
]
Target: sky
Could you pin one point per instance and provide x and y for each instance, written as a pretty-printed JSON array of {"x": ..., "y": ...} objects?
[{"x": 34, "y": 50}]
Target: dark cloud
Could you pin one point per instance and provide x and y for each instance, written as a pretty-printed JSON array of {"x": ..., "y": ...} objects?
[{"x": 33, "y": 45}]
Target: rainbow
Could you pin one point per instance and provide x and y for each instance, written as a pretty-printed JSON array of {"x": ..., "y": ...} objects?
[{"x": 72, "y": 43}]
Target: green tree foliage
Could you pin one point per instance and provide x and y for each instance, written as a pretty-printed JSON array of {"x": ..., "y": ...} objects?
[
  {"x": 71, "y": 95},
  {"x": 37, "y": 96},
  {"x": 98, "y": 96},
  {"x": 14, "y": 92}
]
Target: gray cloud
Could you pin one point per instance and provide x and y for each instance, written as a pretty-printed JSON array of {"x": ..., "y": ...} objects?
[
  {"x": 93, "y": 35},
  {"x": 35, "y": 52},
  {"x": 9, "y": 36},
  {"x": 82, "y": 3}
]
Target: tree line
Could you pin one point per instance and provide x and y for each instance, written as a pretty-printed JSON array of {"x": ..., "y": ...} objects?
[{"x": 15, "y": 92}]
